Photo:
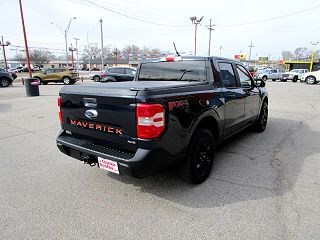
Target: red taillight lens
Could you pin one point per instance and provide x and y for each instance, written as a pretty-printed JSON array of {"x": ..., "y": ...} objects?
[
  {"x": 150, "y": 120},
  {"x": 103, "y": 75},
  {"x": 170, "y": 59},
  {"x": 60, "y": 113}
]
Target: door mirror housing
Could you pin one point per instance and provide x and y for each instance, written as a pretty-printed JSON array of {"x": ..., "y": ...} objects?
[{"x": 260, "y": 83}]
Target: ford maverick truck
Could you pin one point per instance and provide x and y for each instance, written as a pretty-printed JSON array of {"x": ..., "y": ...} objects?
[{"x": 172, "y": 115}]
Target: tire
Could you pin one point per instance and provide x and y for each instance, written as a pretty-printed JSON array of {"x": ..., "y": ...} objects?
[
  {"x": 200, "y": 157},
  {"x": 283, "y": 80},
  {"x": 295, "y": 79},
  {"x": 273, "y": 80},
  {"x": 261, "y": 124},
  {"x": 66, "y": 80},
  {"x": 264, "y": 78},
  {"x": 5, "y": 82},
  {"x": 96, "y": 78},
  {"x": 311, "y": 80}
]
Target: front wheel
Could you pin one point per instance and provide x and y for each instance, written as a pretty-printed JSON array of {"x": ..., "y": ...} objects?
[
  {"x": 261, "y": 123},
  {"x": 273, "y": 80},
  {"x": 96, "y": 78},
  {"x": 295, "y": 79},
  {"x": 66, "y": 80},
  {"x": 200, "y": 157}
]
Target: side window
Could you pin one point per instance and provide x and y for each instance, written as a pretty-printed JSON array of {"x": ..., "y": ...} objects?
[
  {"x": 130, "y": 71},
  {"x": 118, "y": 70},
  {"x": 58, "y": 70},
  {"x": 244, "y": 76},
  {"x": 49, "y": 71},
  {"x": 227, "y": 75}
]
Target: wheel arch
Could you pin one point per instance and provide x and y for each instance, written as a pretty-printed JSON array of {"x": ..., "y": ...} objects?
[{"x": 209, "y": 120}]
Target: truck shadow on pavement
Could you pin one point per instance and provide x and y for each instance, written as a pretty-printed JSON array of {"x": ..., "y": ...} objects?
[{"x": 249, "y": 166}]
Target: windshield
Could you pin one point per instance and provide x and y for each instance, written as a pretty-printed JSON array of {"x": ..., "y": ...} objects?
[
  {"x": 295, "y": 70},
  {"x": 173, "y": 71}
]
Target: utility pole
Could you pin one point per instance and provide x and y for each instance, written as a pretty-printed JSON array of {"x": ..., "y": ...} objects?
[
  {"x": 4, "y": 44},
  {"x": 77, "y": 52},
  {"x": 195, "y": 21},
  {"x": 220, "y": 54},
  {"x": 102, "y": 64},
  {"x": 71, "y": 49},
  {"x": 25, "y": 39},
  {"x": 250, "y": 46},
  {"x": 210, "y": 27},
  {"x": 92, "y": 29}
]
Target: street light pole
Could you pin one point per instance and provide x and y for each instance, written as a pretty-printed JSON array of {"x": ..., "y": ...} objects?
[
  {"x": 25, "y": 39},
  {"x": 4, "y": 44},
  {"x": 77, "y": 52},
  {"x": 102, "y": 64},
  {"x": 195, "y": 21},
  {"x": 66, "y": 39}
]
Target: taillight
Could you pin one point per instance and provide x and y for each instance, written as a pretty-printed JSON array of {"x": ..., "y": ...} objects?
[
  {"x": 60, "y": 113},
  {"x": 150, "y": 120},
  {"x": 103, "y": 75}
]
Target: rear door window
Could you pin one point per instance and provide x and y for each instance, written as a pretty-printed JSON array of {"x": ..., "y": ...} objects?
[
  {"x": 227, "y": 75},
  {"x": 130, "y": 71}
]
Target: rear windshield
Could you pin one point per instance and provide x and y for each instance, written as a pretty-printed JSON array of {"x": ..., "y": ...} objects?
[{"x": 173, "y": 71}]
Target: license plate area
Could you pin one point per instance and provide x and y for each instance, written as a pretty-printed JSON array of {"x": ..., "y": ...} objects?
[{"x": 108, "y": 165}]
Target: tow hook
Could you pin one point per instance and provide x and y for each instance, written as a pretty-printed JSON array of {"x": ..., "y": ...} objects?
[{"x": 88, "y": 160}]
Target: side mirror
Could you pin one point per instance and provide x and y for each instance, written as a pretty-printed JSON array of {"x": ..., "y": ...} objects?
[
  {"x": 260, "y": 83},
  {"x": 44, "y": 72}
]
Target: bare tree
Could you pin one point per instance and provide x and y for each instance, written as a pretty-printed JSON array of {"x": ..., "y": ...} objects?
[
  {"x": 21, "y": 57},
  {"x": 287, "y": 55},
  {"x": 91, "y": 51},
  {"x": 301, "y": 53},
  {"x": 131, "y": 49},
  {"x": 40, "y": 56}
]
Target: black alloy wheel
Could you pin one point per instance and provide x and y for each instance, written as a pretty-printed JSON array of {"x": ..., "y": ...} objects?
[
  {"x": 261, "y": 123},
  {"x": 200, "y": 157}
]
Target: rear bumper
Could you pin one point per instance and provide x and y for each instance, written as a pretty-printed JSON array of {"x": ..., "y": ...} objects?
[{"x": 142, "y": 163}]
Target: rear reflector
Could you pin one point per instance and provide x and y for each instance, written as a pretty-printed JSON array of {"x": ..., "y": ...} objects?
[
  {"x": 150, "y": 120},
  {"x": 60, "y": 113}
]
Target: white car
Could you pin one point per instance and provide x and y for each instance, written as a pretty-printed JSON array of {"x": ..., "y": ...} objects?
[
  {"x": 311, "y": 77},
  {"x": 293, "y": 75}
]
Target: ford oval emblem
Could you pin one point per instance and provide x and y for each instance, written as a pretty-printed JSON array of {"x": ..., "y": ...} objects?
[{"x": 91, "y": 113}]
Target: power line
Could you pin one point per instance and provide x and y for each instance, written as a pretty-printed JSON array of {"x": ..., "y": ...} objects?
[
  {"x": 272, "y": 18},
  {"x": 131, "y": 17}
]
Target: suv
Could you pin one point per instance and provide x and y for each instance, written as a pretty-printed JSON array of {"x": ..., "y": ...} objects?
[
  {"x": 57, "y": 75},
  {"x": 272, "y": 74},
  {"x": 115, "y": 74},
  {"x": 173, "y": 114},
  {"x": 294, "y": 75},
  {"x": 5, "y": 78}
]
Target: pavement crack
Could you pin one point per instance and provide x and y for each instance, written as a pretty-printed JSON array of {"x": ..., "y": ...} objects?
[{"x": 244, "y": 185}]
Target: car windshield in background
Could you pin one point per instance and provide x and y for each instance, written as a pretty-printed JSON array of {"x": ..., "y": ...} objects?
[
  {"x": 173, "y": 71},
  {"x": 295, "y": 70}
]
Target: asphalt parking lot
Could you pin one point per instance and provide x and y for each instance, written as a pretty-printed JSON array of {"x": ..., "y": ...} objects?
[{"x": 264, "y": 186}]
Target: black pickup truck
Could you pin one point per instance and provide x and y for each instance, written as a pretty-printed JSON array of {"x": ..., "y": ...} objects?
[{"x": 172, "y": 115}]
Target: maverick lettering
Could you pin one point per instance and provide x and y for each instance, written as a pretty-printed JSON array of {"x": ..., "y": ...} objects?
[{"x": 96, "y": 126}]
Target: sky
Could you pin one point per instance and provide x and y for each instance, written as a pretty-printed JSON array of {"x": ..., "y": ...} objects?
[{"x": 271, "y": 25}]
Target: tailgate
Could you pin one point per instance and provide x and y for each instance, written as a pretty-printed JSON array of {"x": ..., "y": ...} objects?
[{"x": 95, "y": 112}]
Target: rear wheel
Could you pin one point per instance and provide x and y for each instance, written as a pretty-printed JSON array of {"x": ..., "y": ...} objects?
[
  {"x": 4, "y": 82},
  {"x": 261, "y": 123},
  {"x": 66, "y": 80},
  {"x": 264, "y": 78},
  {"x": 274, "y": 80},
  {"x": 200, "y": 157}
]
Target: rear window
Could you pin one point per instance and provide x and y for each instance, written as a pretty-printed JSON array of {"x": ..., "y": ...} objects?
[{"x": 173, "y": 71}]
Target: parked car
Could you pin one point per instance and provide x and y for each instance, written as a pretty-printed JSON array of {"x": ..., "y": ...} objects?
[
  {"x": 115, "y": 74},
  {"x": 36, "y": 69},
  {"x": 272, "y": 74},
  {"x": 57, "y": 75},
  {"x": 172, "y": 115},
  {"x": 311, "y": 77},
  {"x": 13, "y": 74},
  {"x": 5, "y": 78},
  {"x": 294, "y": 75}
]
